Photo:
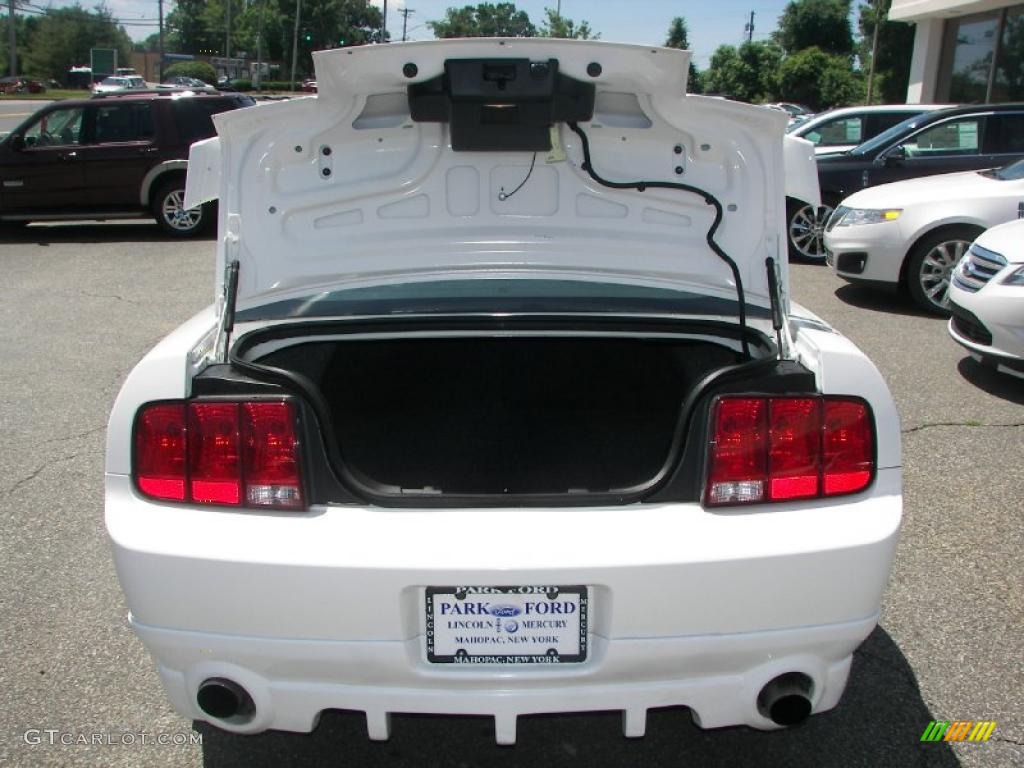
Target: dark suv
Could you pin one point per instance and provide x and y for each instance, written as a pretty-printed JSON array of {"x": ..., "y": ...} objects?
[
  {"x": 109, "y": 157},
  {"x": 947, "y": 140}
]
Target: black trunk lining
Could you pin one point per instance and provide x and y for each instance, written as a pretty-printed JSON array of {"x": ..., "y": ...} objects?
[{"x": 505, "y": 415}]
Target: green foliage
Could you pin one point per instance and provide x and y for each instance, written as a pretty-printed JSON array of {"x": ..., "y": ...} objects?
[
  {"x": 678, "y": 34},
  {"x": 679, "y": 37},
  {"x": 484, "y": 20},
  {"x": 557, "y": 25},
  {"x": 747, "y": 73},
  {"x": 824, "y": 24},
  {"x": 24, "y": 25},
  {"x": 895, "y": 43},
  {"x": 62, "y": 38},
  {"x": 198, "y": 26},
  {"x": 197, "y": 69},
  {"x": 820, "y": 80}
]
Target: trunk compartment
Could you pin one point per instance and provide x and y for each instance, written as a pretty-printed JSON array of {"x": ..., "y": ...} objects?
[{"x": 502, "y": 415}]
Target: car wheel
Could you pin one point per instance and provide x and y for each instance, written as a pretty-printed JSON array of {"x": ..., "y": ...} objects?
[
  {"x": 931, "y": 265},
  {"x": 805, "y": 228},
  {"x": 171, "y": 214}
]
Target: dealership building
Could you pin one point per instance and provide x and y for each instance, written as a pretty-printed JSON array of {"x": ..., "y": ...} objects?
[{"x": 965, "y": 52}]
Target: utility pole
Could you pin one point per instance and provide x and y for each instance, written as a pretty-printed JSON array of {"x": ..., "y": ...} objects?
[
  {"x": 405, "y": 21},
  {"x": 874, "y": 52},
  {"x": 227, "y": 40},
  {"x": 384, "y": 23},
  {"x": 295, "y": 39},
  {"x": 749, "y": 29},
  {"x": 12, "y": 38},
  {"x": 259, "y": 46},
  {"x": 160, "y": 61}
]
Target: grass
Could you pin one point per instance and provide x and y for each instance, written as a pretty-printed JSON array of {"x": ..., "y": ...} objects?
[{"x": 48, "y": 95}]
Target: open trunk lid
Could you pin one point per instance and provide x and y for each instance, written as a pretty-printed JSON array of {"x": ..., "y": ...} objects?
[{"x": 347, "y": 189}]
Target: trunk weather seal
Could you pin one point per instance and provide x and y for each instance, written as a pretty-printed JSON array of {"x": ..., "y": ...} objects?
[{"x": 368, "y": 490}]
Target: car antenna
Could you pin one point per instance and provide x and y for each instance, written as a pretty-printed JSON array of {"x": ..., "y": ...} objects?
[{"x": 227, "y": 313}]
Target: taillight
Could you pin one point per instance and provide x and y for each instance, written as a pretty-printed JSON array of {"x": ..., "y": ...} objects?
[
  {"x": 219, "y": 452},
  {"x": 765, "y": 449},
  {"x": 159, "y": 464}
]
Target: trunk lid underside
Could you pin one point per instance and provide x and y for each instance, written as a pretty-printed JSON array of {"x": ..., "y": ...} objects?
[{"x": 346, "y": 189}]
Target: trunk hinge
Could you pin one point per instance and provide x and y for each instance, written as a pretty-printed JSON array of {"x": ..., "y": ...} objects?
[{"x": 779, "y": 323}]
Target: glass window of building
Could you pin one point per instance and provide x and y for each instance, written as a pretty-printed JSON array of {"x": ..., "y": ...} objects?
[{"x": 983, "y": 57}]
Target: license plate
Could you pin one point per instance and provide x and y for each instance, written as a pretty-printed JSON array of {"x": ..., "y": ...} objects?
[{"x": 506, "y": 625}]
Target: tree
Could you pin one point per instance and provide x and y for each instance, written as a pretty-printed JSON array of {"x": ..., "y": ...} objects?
[
  {"x": 557, "y": 25},
  {"x": 820, "y": 80},
  {"x": 747, "y": 73},
  {"x": 679, "y": 37},
  {"x": 24, "y": 24},
  {"x": 63, "y": 36},
  {"x": 196, "y": 26},
  {"x": 895, "y": 44},
  {"x": 484, "y": 20},
  {"x": 197, "y": 69},
  {"x": 824, "y": 24},
  {"x": 199, "y": 26}
]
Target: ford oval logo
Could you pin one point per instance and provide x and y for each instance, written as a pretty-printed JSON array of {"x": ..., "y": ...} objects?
[{"x": 504, "y": 610}]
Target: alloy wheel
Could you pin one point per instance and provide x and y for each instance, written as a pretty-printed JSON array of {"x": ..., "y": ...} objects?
[
  {"x": 176, "y": 215},
  {"x": 936, "y": 268},
  {"x": 807, "y": 231}
]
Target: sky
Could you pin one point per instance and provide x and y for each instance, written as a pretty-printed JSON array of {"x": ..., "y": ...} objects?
[{"x": 634, "y": 21}]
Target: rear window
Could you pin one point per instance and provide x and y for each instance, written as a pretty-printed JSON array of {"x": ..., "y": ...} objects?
[{"x": 194, "y": 116}]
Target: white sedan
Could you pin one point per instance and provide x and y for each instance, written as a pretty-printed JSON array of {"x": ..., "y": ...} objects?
[
  {"x": 910, "y": 234},
  {"x": 496, "y": 414},
  {"x": 840, "y": 130},
  {"x": 117, "y": 83},
  {"x": 986, "y": 299}
]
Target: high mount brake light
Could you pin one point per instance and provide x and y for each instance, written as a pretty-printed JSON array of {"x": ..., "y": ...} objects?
[
  {"x": 226, "y": 453},
  {"x": 765, "y": 449}
]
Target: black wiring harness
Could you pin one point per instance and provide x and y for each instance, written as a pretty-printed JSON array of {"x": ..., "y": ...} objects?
[{"x": 708, "y": 198}]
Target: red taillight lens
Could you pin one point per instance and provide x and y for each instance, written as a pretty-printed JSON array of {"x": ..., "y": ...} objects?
[
  {"x": 788, "y": 448},
  {"x": 795, "y": 444},
  {"x": 214, "y": 463},
  {"x": 738, "y": 460},
  {"x": 272, "y": 467},
  {"x": 219, "y": 452},
  {"x": 849, "y": 447},
  {"x": 160, "y": 451}
]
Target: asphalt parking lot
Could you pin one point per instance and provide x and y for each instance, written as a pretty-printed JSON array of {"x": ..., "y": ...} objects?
[{"x": 81, "y": 304}]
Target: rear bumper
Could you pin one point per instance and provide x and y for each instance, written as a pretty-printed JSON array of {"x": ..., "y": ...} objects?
[
  {"x": 291, "y": 682},
  {"x": 325, "y": 609}
]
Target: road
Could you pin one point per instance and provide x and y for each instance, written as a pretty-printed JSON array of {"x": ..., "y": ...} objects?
[
  {"x": 14, "y": 111},
  {"x": 81, "y": 304}
]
